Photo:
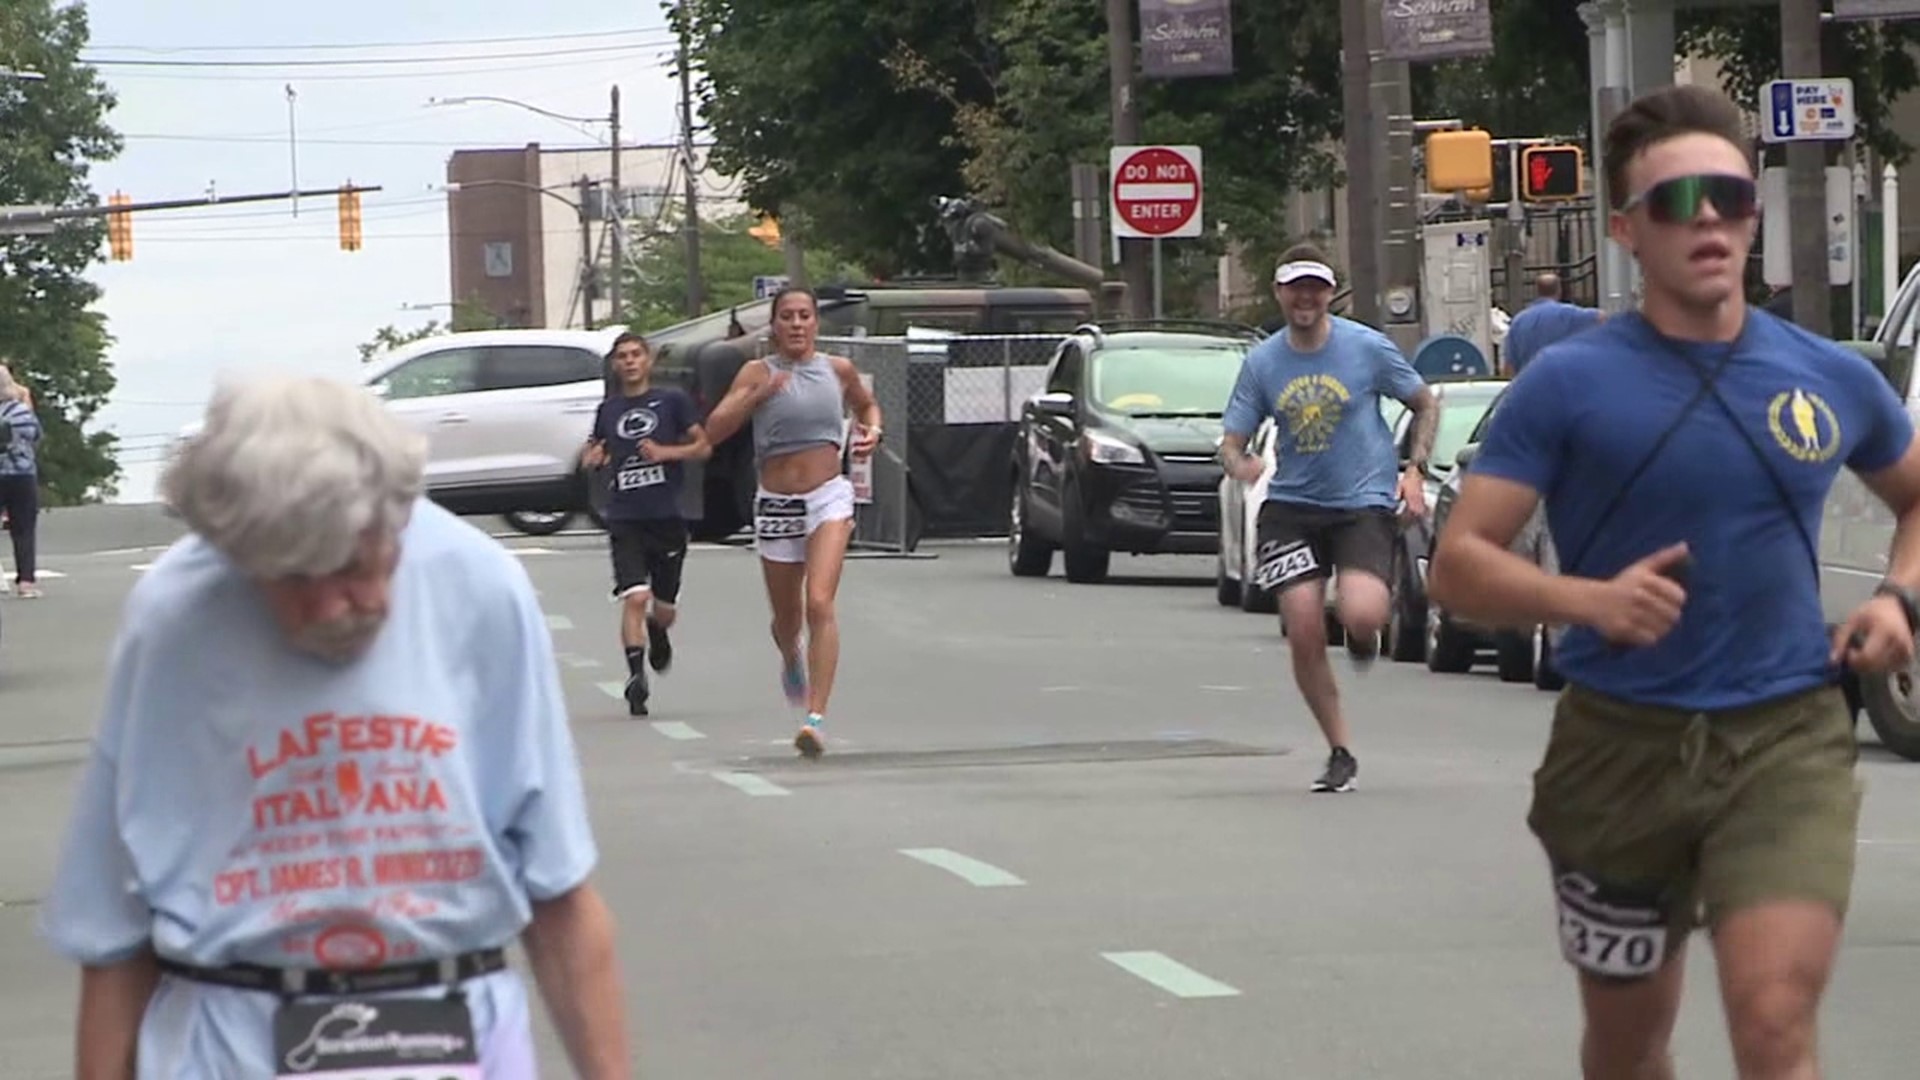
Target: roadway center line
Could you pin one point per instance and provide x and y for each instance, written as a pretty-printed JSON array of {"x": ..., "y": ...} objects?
[
  {"x": 972, "y": 871},
  {"x": 1170, "y": 975},
  {"x": 674, "y": 729},
  {"x": 749, "y": 783},
  {"x": 559, "y": 622}
]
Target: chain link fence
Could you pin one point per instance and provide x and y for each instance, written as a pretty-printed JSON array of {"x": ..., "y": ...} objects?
[{"x": 883, "y": 518}]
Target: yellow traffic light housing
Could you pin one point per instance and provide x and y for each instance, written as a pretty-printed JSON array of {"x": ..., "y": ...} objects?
[
  {"x": 1549, "y": 173},
  {"x": 1459, "y": 161},
  {"x": 350, "y": 236},
  {"x": 120, "y": 228},
  {"x": 767, "y": 231}
]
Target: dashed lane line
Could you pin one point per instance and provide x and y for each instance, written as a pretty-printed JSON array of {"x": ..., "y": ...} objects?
[
  {"x": 750, "y": 783},
  {"x": 968, "y": 869},
  {"x": 674, "y": 729},
  {"x": 1169, "y": 974},
  {"x": 559, "y": 622}
]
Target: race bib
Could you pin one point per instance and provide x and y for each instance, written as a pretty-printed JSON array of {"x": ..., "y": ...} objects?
[
  {"x": 1606, "y": 934},
  {"x": 369, "y": 1039},
  {"x": 641, "y": 476},
  {"x": 1284, "y": 563},
  {"x": 780, "y": 517}
]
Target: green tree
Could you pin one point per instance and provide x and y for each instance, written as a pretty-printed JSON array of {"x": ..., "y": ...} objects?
[
  {"x": 1535, "y": 83},
  {"x": 803, "y": 109},
  {"x": 55, "y": 130},
  {"x": 656, "y": 285},
  {"x": 468, "y": 314}
]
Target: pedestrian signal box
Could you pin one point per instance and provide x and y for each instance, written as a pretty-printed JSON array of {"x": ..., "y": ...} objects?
[
  {"x": 1459, "y": 161},
  {"x": 1551, "y": 172}
]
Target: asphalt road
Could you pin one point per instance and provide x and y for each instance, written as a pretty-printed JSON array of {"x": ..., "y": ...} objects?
[{"x": 1064, "y": 831}]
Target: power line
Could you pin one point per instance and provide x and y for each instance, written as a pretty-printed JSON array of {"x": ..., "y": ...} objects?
[
  {"x": 281, "y": 140},
  {"x": 377, "y": 60},
  {"x": 499, "y": 69},
  {"x": 319, "y": 46}
]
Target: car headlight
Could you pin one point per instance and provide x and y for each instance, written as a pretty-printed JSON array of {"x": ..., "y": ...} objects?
[{"x": 1107, "y": 450}]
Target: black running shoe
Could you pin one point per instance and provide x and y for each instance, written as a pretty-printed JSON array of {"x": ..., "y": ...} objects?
[
  {"x": 1341, "y": 770},
  {"x": 659, "y": 647},
  {"x": 637, "y": 695},
  {"x": 1363, "y": 653}
]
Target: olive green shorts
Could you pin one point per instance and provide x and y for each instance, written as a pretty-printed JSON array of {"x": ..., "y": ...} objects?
[{"x": 1656, "y": 821}]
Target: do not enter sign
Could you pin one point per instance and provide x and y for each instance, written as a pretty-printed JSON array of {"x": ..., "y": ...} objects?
[{"x": 1155, "y": 191}]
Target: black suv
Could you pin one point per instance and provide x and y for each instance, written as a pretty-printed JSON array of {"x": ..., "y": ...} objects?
[{"x": 1119, "y": 451}]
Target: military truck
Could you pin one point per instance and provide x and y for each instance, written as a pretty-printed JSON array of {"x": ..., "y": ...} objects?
[{"x": 702, "y": 356}]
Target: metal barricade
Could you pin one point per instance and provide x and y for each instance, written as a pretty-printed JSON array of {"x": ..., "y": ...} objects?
[{"x": 883, "y": 519}]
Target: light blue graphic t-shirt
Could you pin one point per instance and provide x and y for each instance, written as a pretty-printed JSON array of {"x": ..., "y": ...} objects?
[
  {"x": 1334, "y": 449},
  {"x": 248, "y": 803}
]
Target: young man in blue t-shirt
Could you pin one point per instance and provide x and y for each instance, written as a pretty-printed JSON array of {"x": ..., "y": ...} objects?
[
  {"x": 1331, "y": 502},
  {"x": 1701, "y": 761},
  {"x": 644, "y": 432}
]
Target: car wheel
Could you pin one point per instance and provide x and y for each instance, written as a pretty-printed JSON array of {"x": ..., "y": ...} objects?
[
  {"x": 1407, "y": 617},
  {"x": 1225, "y": 589},
  {"x": 1892, "y": 704},
  {"x": 1027, "y": 554},
  {"x": 1546, "y": 675},
  {"x": 1085, "y": 563},
  {"x": 538, "y": 522},
  {"x": 1449, "y": 652},
  {"x": 1513, "y": 656}
]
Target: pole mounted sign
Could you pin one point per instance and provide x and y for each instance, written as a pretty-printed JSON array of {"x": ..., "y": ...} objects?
[
  {"x": 1797, "y": 109},
  {"x": 1156, "y": 192}
]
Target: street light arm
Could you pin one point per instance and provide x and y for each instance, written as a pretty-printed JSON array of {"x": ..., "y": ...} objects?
[
  {"x": 470, "y": 98},
  {"x": 460, "y": 185}
]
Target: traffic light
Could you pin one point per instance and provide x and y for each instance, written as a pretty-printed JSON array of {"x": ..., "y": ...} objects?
[
  {"x": 767, "y": 232},
  {"x": 349, "y": 219},
  {"x": 1459, "y": 161},
  {"x": 1551, "y": 172},
  {"x": 120, "y": 228}
]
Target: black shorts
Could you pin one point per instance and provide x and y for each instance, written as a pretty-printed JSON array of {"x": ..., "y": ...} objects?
[
  {"x": 1306, "y": 543},
  {"x": 648, "y": 555}
]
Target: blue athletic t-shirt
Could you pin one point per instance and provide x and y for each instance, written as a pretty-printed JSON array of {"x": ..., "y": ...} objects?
[
  {"x": 1334, "y": 449},
  {"x": 1580, "y": 419},
  {"x": 1542, "y": 323},
  {"x": 643, "y": 490}
]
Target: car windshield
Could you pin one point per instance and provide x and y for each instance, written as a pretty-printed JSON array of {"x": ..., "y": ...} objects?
[
  {"x": 1460, "y": 411},
  {"x": 1161, "y": 381}
]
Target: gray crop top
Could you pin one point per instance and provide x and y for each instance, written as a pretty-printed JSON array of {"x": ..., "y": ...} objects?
[{"x": 809, "y": 411}]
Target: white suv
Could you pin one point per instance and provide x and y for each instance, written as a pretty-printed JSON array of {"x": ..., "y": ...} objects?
[{"x": 505, "y": 414}]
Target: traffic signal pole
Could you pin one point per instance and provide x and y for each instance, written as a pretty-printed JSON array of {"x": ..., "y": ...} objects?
[{"x": 15, "y": 221}]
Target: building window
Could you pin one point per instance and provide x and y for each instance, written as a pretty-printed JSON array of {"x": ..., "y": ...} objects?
[{"x": 499, "y": 258}]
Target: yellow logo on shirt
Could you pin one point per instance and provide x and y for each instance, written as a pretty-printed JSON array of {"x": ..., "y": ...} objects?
[
  {"x": 1312, "y": 406},
  {"x": 1803, "y": 425}
]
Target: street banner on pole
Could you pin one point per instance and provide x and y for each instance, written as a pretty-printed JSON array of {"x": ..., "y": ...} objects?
[
  {"x": 1184, "y": 38},
  {"x": 1436, "y": 29}
]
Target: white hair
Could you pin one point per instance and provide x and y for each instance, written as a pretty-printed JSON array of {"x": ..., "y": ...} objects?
[
  {"x": 290, "y": 474},
  {"x": 6, "y": 382}
]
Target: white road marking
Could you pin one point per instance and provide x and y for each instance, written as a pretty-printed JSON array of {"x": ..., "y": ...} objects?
[
  {"x": 1058, "y": 689},
  {"x": 559, "y": 622},
  {"x": 50, "y": 575},
  {"x": 577, "y": 662},
  {"x": 1224, "y": 689},
  {"x": 614, "y": 690},
  {"x": 674, "y": 729},
  {"x": 533, "y": 551},
  {"x": 141, "y": 567},
  {"x": 749, "y": 783},
  {"x": 971, "y": 870},
  {"x": 1170, "y": 975}
]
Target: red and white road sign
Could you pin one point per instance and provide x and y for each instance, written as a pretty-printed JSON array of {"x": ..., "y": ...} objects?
[{"x": 1155, "y": 191}]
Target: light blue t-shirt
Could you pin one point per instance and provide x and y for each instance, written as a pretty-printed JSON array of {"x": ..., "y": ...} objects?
[
  {"x": 1334, "y": 449},
  {"x": 248, "y": 803}
]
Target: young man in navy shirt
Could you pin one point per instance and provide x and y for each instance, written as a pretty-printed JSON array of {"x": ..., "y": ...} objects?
[
  {"x": 1700, "y": 768},
  {"x": 644, "y": 432}
]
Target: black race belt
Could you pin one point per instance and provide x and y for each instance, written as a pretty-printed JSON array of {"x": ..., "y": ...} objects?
[{"x": 304, "y": 982}]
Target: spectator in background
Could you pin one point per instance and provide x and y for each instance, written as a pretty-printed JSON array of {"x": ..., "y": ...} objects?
[
  {"x": 20, "y": 478},
  {"x": 1541, "y": 323}
]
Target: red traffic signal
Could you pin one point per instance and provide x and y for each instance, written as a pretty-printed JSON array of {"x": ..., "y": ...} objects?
[{"x": 1552, "y": 172}]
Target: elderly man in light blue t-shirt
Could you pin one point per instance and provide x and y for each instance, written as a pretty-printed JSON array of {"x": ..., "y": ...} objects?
[{"x": 333, "y": 782}]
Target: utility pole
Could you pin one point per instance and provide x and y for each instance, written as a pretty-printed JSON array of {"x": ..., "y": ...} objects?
[
  {"x": 696, "y": 298},
  {"x": 1363, "y": 233},
  {"x": 1135, "y": 268},
  {"x": 585, "y": 187},
  {"x": 1398, "y": 206},
  {"x": 1806, "y": 175},
  {"x": 615, "y": 206}
]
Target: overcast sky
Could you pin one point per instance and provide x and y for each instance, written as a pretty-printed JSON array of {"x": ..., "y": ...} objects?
[{"x": 252, "y": 286}]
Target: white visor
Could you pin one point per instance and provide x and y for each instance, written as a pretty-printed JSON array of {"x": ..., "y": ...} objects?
[{"x": 1288, "y": 273}]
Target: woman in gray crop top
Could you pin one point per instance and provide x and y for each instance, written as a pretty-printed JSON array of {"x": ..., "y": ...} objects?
[{"x": 797, "y": 400}]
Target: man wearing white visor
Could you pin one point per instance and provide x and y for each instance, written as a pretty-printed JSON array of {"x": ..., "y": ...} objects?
[{"x": 1332, "y": 501}]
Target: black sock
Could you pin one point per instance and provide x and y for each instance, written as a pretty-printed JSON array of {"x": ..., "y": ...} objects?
[{"x": 636, "y": 659}]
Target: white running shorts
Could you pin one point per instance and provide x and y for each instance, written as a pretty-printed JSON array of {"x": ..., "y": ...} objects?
[{"x": 782, "y": 523}]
